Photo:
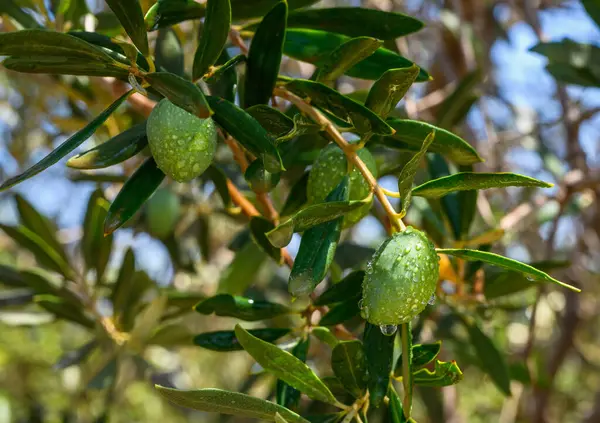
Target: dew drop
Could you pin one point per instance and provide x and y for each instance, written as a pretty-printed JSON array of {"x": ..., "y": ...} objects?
[
  {"x": 431, "y": 300},
  {"x": 388, "y": 330}
]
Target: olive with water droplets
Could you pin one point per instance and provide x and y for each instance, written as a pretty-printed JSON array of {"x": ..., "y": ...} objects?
[
  {"x": 400, "y": 279},
  {"x": 183, "y": 145}
]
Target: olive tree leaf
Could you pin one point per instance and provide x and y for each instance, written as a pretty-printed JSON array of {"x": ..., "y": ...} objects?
[
  {"x": 348, "y": 288},
  {"x": 131, "y": 17},
  {"x": 465, "y": 181},
  {"x": 240, "y": 308},
  {"x": 422, "y": 354},
  {"x": 287, "y": 395},
  {"x": 275, "y": 122},
  {"x": 407, "y": 176},
  {"x": 350, "y": 367},
  {"x": 226, "y": 340},
  {"x": 395, "y": 407},
  {"x": 341, "y": 313},
  {"x": 214, "y": 36},
  {"x": 379, "y": 350},
  {"x": 444, "y": 374},
  {"x": 345, "y": 56},
  {"x": 181, "y": 92},
  {"x": 505, "y": 262},
  {"x": 169, "y": 52},
  {"x": 264, "y": 57},
  {"x": 390, "y": 88},
  {"x": 592, "y": 7},
  {"x": 95, "y": 246},
  {"x": 285, "y": 366},
  {"x": 138, "y": 188},
  {"x": 64, "y": 309},
  {"x": 219, "y": 179},
  {"x": 225, "y": 402},
  {"x": 66, "y": 147}
]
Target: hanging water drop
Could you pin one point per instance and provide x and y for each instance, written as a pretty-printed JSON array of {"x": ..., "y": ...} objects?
[{"x": 388, "y": 330}]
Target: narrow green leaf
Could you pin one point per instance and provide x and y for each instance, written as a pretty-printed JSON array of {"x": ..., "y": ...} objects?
[
  {"x": 240, "y": 307},
  {"x": 350, "y": 367},
  {"x": 276, "y": 123},
  {"x": 245, "y": 9},
  {"x": 15, "y": 298},
  {"x": 172, "y": 334},
  {"x": 390, "y": 88},
  {"x": 39, "y": 225},
  {"x": 66, "y": 147},
  {"x": 592, "y": 7},
  {"x": 407, "y": 176},
  {"x": 168, "y": 12},
  {"x": 225, "y": 402},
  {"x": 297, "y": 196},
  {"x": 115, "y": 49},
  {"x": 224, "y": 67},
  {"x": 310, "y": 45},
  {"x": 76, "y": 356},
  {"x": 379, "y": 350},
  {"x": 345, "y": 57},
  {"x": 348, "y": 288},
  {"x": 317, "y": 248},
  {"x": 464, "y": 181},
  {"x": 264, "y": 56},
  {"x": 260, "y": 180},
  {"x": 64, "y": 310},
  {"x": 286, "y": 395},
  {"x": 169, "y": 52},
  {"x": 44, "y": 253},
  {"x": 356, "y": 21},
  {"x": 226, "y": 340},
  {"x": 505, "y": 262},
  {"x": 63, "y": 66},
  {"x": 445, "y": 374},
  {"x": 138, "y": 188},
  {"x": 331, "y": 101},
  {"x": 258, "y": 227},
  {"x": 11, "y": 277},
  {"x": 323, "y": 334},
  {"x": 244, "y": 128},
  {"x": 341, "y": 313},
  {"x": 240, "y": 273},
  {"x": 122, "y": 287},
  {"x": 96, "y": 247},
  {"x": 131, "y": 17},
  {"x": 309, "y": 217},
  {"x": 411, "y": 133},
  {"x": 422, "y": 354},
  {"x": 569, "y": 74},
  {"x": 396, "y": 411},
  {"x": 219, "y": 178},
  {"x": 569, "y": 52},
  {"x": 214, "y": 36},
  {"x": 180, "y": 92},
  {"x": 146, "y": 321},
  {"x": 285, "y": 366},
  {"x": 116, "y": 150}
]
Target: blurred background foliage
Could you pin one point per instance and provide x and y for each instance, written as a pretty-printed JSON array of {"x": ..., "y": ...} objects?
[{"x": 532, "y": 111}]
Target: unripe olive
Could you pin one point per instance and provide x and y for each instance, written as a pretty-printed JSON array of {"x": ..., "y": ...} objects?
[
  {"x": 260, "y": 179},
  {"x": 400, "y": 279},
  {"x": 162, "y": 213},
  {"x": 183, "y": 145},
  {"x": 327, "y": 172}
]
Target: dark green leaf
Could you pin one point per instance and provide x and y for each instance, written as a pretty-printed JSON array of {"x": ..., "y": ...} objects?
[
  {"x": 309, "y": 45},
  {"x": 356, "y": 21},
  {"x": 309, "y": 217},
  {"x": 411, "y": 133},
  {"x": 323, "y": 334},
  {"x": 350, "y": 111},
  {"x": 379, "y": 350},
  {"x": 593, "y": 9},
  {"x": 396, "y": 411},
  {"x": 240, "y": 308},
  {"x": 39, "y": 225},
  {"x": 464, "y": 181},
  {"x": 297, "y": 196},
  {"x": 244, "y": 9},
  {"x": 260, "y": 180},
  {"x": 317, "y": 248},
  {"x": 170, "y": 12},
  {"x": 455, "y": 107},
  {"x": 341, "y": 313},
  {"x": 74, "y": 357},
  {"x": 505, "y": 262},
  {"x": 569, "y": 52},
  {"x": 66, "y": 147},
  {"x": 115, "y": 49},
  {"x": 11, "y": 277},
  {"x": 180, "y": 92},
  {"x": 131, "y": 17},
  {"x": 225, "y": 402},
  {"x": 169, "y": 52},
  {"x": 214, "y": 36},
  {"x": 219, "y": 178},
  {"x": 276, "y": 123},
  {"x": 349, "y": 255},
  {"x": 285, "y": 394},
  {"x": 349, "y": 365},
  {"x": 44, "y": 253},
  {"x": 569, "y": 74},
  {"x": 122, "y": 286},
  {"x": 15, "y": 298},
  {"x": 348, "y": 288},
  {"x": 390, "y": 88},
  {"x": 171, "y": 334},
  {"x": 116, "y": 150},
  {"x": 63, "y": 66},
  {"x": 226, "y": 340},
  {"x": 240, "y": 273},
  {"x": 285, "y": 366},
  {"x": 224, "y": 67},
  {"x": 422, "y": 354},
  {"x": 345, "y": 57},
  {"x": 40, "y": 284},
  {"x": 138, "y": 188},
  {"x": 302, "y": 126},
  {"x": 96, "y": 247},
  {"x": 264, "y": 56},
  {"x": 407, "y": 176},
  {"x": 445, "y": 374},
  {"x": 259, "y": 226},
  {"x": 63, "y": 309},
  {"x": 244, "y": 128}
]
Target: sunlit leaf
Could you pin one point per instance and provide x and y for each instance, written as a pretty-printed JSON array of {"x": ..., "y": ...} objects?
[
  {"x": 407, "y": 176},
  {"x": 346, "y": 56},
  {"x": 240, "y": 308},
  {"x": 226, "y": 340},
  {"x": 132, "y": 18},
  {"x": 390, "y": 88}
]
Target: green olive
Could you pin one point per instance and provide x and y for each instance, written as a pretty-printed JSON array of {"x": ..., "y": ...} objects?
[
  {"x": 260, "y": 179},
  {"x": 327, "y": 172},
  {"x": 183, "y": 145},
  {"x": 162, "y": 213},
  {"x": 400, "y": 279}
]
